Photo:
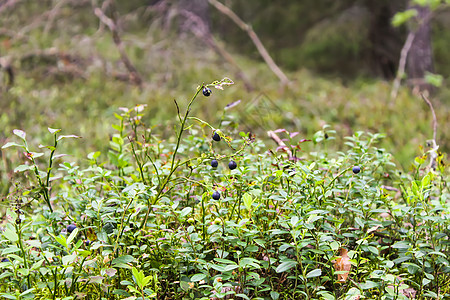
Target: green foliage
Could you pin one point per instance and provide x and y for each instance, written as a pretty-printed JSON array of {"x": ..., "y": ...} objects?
[{"x": 147, "y": 226}]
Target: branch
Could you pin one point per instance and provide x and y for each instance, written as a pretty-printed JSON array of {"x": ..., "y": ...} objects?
[
  {"x": 251, "y": 33},
  {"x": 433, "y": 144},
  {"x": 198, "y": 28},
  {"x": 8, "y": 4},
  {"x": 280, "y": 143},
  {"x": 402, "y": 65},
  {"x": 133, "y": 73}
]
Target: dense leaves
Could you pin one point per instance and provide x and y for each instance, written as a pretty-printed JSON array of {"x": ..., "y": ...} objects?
[{"x": 149, "y": 224}]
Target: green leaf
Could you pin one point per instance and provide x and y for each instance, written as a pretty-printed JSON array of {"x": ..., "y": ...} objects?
[
  {"x": 72, "y": 236},
  {"x": 314, "y": 273},
  {"x": 12, "y": 144},
  {"x": 53, "y": 130},
  {"x": 10, "y": 235},
  {"x": 274, "y": 295},
  {"x": 198, "y": 277},
  {"x": 185, "y": 211},
  {"x": 139, "y": 277},
  {"x": 122, "y": 260},
  {"x": 248, "y": 201},
  {"x": 68, "y": 137},
  {"x": 287, "y": 265},
  {"x": 23, "y": 168},
  {"x": 68, "y": 259},
  {"x": 402, "y": 17},
  {"x": 20, "y": 133}
]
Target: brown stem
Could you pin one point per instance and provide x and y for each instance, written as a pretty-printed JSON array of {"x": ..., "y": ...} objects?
[
  {"x": 255, "y": 39},
  {"x": 133, "y": 73}
]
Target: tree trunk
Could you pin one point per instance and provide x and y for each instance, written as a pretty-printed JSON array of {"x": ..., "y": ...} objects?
[
  {"x": 194, "y": 13},
  {"x": 420, "y": 56}
]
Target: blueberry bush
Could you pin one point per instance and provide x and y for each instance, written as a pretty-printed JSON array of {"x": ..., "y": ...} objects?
[{"x": 191, "y": 218}]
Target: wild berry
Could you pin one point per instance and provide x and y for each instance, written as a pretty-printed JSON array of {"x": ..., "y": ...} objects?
[
  {"x": 216, "y": 137},
  {"x": 356, "y": 169},
  {"x": 71, "y": 228},
  {"x": 5, "y": 260},
  {"x": 232, "y": 165},
  {"x": 216, "y": 195},
  {"x": 206, "y": 92},
  {"x": 214, "y": 163}
]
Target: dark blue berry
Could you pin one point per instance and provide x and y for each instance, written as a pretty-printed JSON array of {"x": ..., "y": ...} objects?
[
  {"x": 216, "y": 195},
  {"x": 232, "y": 165},
  {"x": 87, "y": 242},
  {"x": 214, "y": 163},
  {"x": 5, "y": 260},
  {"x": 206, "y": 92},
  {"x": 71, "y": 228},
  {"x": 216, "y": 137},
  {"x": 356, "y": 169}
]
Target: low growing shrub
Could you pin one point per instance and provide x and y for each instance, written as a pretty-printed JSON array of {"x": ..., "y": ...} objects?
[{"x": 171, "y": 219}]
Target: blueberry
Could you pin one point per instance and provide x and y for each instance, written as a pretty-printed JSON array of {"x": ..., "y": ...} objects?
[
  {"x": 214, "y": 163},
  {"x": 356, "y": 169},
  {"x": 216, "y": 195},
  {"x": 216, "y": 137},
  {"x": 71, "y": 228},
  {"x": 232, "y": 165},
  {"x": 5, "y": 260},
  {"x": 87, "y": 242},
  {"x": 206, "y": 92}
]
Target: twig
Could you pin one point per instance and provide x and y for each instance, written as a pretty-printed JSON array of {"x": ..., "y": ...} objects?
[
  {"x": 402, "y": 65},
  {"x": 52, "y": 15},
  {"x": 134, "y": 75},
  {"x": 433, "y": 113},
  {"x": 280, "y": 143},
  {"x": 251, "y": 33},
  {"x": 434, "y": 146},
  {"x": 8, "y": 4},
  {"x": 198, "y": 28}
]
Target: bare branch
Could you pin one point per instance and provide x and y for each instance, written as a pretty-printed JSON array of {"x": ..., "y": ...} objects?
[
  {"x": 8, "y": 4},
  {"x": 199, "y": 29},
  {"x": 402, "y": 65},
  {"x": 133, "y": 73},
  {"x": 280, "y": 143},
  {"x": 432, "y": 143},
  {"x": 251, "y": 33}
]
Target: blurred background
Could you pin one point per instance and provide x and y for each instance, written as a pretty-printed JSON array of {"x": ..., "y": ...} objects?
[{"x": 355, "y": 65}]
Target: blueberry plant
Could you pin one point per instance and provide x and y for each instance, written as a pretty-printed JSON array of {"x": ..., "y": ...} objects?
[{"x": 166, "y": 219}]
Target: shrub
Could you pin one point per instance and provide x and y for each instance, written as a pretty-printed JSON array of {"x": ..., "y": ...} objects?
[{"x": 283, "y": 226}]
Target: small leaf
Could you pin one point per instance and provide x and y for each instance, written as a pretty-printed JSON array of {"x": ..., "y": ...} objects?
[
  {"x": 314, "y": 273},
  {"x": 22, "y": 168},
  {"x": 283, "y": 267},
  {"x": 72, "y": 236},
  {"x": 53, "y": 130},
  {"x": 68, "y": 136},
  {"x": 185, "y": 211},
  {"x": 248, "y": 201},
  {"x": 274, "y": 295},
  {"x": 198, "y": 277},
  {"x": 11, "y": 144},
  {"x": 10, "y": 235},
  {"x": 20, "y": 133}
]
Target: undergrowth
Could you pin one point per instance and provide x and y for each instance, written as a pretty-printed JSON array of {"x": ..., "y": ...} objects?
[{"x": 154, "y": 217}]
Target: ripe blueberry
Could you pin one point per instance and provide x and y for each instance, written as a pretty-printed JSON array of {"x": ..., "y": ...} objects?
[
  {"x": 216, "y": 137},
  {"x": 206, "y": 92},
  {"x": 216, "y": 195},
  {"x": 232, "y": 165},
  {"x": 71, "y": 228},
  {"x": 356, "y": 169},
  {"x": 5, "y": 260},
  {"x": 214, "y": 163}
]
